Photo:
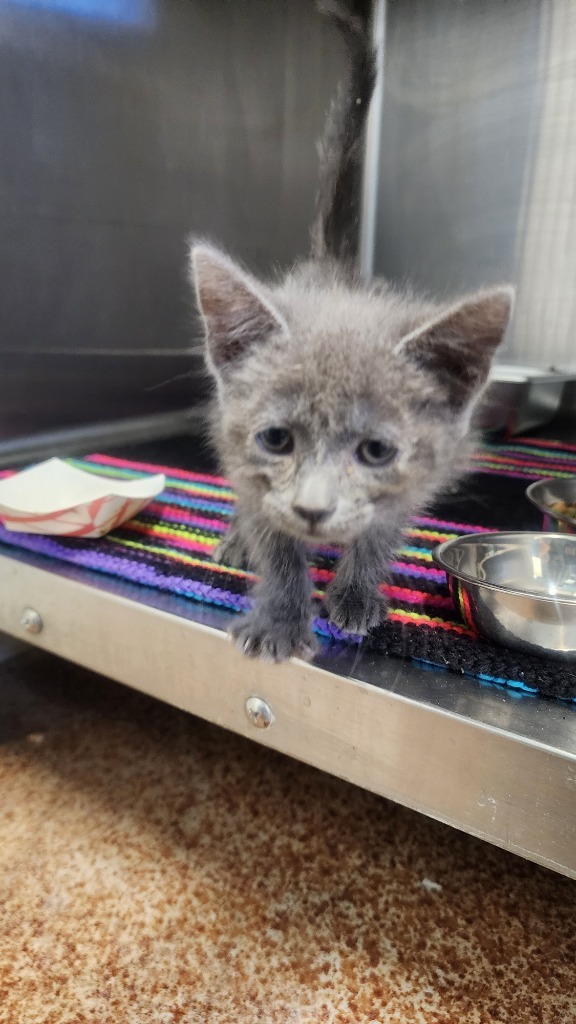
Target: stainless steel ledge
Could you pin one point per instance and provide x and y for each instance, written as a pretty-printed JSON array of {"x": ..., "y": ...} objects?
[
  {"x": 499, "y": 766},
  {"x": 74, "y": 440}
]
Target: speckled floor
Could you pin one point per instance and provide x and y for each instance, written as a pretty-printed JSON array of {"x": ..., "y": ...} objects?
[{"x": 154, "y": 869}]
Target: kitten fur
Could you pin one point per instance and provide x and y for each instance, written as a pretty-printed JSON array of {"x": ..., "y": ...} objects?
[{"x": 368, "y": 390}]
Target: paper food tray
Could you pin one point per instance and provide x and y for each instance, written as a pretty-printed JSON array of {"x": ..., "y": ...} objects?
[{"x": 56, "y": 498}]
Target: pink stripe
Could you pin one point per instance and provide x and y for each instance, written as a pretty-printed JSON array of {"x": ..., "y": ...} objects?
[
  {"x": 418, "y": 597},
  {"x": 180, "y": 542},
  {"x": 444, "y": 524},
  {"x": 412, "y": 570},
  {"x": 176, "y": 515},
  {"x": 529, "y": 462},
  {"x": 325, "y": 575},
  {"x": 533, "y": 442},
  {"x": 147, "y": 467}
]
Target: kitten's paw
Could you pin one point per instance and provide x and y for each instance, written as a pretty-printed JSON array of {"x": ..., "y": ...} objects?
[
  {"x": 354, "y": 611},
  {"x": 231, "y": 550},
  {"x": 259, "y": 636}
]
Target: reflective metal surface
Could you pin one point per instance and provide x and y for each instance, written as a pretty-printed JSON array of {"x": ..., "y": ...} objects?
[
  {"x": 495, "y": 763},
  {"x": 124, "y": 127},
  {"x": 522, "y": 716},
  {"x": 478, "y": 159},
  {"x": 544, "y": 493},
  {"x": 516, "y": 588},
  {"x": 545, "y": 396},
  {"x": 521, "y": 398},
  {"x": 506, "y": 394}
]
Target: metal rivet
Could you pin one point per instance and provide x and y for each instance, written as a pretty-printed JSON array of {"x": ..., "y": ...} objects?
[
  {"x": 259, "y": 713},
  {"x": 31, "y": 621}
]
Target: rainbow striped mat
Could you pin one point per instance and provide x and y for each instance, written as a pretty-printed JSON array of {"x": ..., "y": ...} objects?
[
  {"x": 168, "y": 547},
  {"x": 527, "y": 459}
]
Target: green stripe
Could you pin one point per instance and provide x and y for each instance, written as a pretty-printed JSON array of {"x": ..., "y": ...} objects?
[
  {"x": 547, "y": 453},
  {"x": 198, "y": 488},
  {"x": 529, "y": 472}
]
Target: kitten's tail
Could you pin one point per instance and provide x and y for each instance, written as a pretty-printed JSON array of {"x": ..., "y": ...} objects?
[{"x": 336, "y": 227}]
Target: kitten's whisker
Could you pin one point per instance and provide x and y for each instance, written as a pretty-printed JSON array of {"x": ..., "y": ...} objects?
[{"x": 171, "y": 380}]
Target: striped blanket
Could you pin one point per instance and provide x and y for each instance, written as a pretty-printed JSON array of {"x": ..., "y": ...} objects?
[{"x": 168, "y": 547}]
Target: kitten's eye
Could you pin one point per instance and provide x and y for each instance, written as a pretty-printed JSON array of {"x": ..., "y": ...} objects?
[
  {"x": 375, "y": 453},
  {"x": 277, "y": 440}
]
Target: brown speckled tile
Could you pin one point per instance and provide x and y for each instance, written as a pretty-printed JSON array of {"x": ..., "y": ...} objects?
[{"x": 157, "y": 870}]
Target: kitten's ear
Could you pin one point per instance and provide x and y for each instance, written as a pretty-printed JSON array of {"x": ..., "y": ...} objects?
[
  {"x": 457, "y": 347},
  {"x": 234, "y": 308}
]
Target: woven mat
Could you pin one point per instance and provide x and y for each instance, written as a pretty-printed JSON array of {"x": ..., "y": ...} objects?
[{"x": 168, "y": 547}]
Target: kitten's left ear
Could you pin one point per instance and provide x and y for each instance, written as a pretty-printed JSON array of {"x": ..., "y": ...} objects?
[
  {"x": 457, "y": 347},
  {"x": 236, "y": 312}
]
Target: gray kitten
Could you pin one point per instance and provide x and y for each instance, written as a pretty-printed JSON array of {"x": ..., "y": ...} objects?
[{"x": 341, "y": 409}]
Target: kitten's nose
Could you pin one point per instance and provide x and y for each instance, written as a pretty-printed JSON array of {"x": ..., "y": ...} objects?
[{"x": 313, "y": 516}]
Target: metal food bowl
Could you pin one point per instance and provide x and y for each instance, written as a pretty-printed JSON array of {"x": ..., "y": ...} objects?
[
  {"x": 521, "y": 398},
  {"x": 507, "y": 392},
  {"x": 544, "y": 493},
  {"x": 519, "y": 589}
]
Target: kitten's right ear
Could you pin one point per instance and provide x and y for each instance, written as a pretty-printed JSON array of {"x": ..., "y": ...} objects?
[{"x": 234, "y": 308}]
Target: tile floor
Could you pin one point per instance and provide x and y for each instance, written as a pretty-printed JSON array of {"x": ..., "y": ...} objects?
[{"x": 155, "y": 869}]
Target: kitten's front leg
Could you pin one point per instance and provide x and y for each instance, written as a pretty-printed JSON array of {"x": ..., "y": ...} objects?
[
  {"x": 353, "y": 599},
  {"x": 278, "y": 627},
  {"x": 232, "y": 549}
]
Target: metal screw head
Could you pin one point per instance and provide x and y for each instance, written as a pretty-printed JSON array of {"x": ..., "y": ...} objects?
[
  {"x": 31, "y": 621},
  {"x": 258, "y": 712}
]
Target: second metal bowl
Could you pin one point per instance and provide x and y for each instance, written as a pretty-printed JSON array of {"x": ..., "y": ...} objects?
[
  {"x": 516, "y": 588},
  {"x": 545, "y": 493}
]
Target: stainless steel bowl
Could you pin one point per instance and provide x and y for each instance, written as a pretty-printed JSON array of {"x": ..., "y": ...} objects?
[
  {"x": 544, "y": 493},
  {"x": 516, "y": 588},
  {"x": 545, "y": 394},
  {"x": 521, "y": 398},
  {"x": 506, "y": 393}
]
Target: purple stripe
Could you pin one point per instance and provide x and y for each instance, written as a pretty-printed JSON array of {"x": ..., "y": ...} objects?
[
  {"x": 419, "y": 572},
  {"x": 147, "y": 575},
  {"x": 326, "y": 628},
  {"x": 167, "y": 497},
  {"x": 444, "y": 525},
  {"x": 136, "y": 572}
]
